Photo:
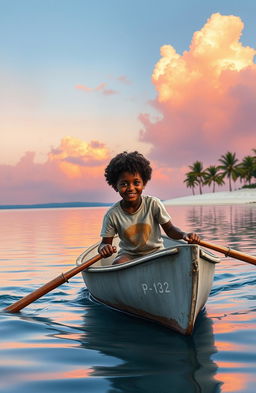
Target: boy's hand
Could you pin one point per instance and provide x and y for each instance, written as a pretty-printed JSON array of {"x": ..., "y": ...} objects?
[
  {"x": 106, "y": 250},
  {"x": 191, "y": 237}
]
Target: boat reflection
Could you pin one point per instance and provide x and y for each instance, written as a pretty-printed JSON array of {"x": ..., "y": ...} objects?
[
  {"x": 152, "y": 358},
  {"x": 132, "y": 355}
]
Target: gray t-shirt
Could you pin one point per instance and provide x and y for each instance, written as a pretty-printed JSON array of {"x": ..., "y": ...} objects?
[{"x": 139, "y": 232}]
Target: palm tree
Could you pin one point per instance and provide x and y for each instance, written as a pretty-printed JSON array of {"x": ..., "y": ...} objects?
[
  {"x": 247, "y": 168},
  {"x": 191, "y": 181},
  {"x": 213, "y": 176},
  {"x": 198, "y": 172},
  {"x": 229, "y": 167},
  {"x": 254, "y": 158}
]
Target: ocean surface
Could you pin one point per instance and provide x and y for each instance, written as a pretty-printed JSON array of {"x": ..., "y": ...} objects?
[{"x": 66, "y": 343}]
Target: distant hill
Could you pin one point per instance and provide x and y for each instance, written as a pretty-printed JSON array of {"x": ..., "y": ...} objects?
[{"x": 55, "y": 205}]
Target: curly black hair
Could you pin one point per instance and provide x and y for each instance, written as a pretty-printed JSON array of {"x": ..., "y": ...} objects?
[{"x": 133, "y": 162}]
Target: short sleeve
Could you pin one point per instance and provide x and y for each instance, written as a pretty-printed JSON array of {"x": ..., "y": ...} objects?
[
  {"x": 161, "y": 213},
  {"x": 108, "y": 229}
]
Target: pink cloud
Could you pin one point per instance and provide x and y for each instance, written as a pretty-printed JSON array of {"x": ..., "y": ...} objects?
[
  {"x": 166, "y": 182},
  {"x": 109, "y": 92},
  {"x": 123, "y": 79},
  {"x": 205, "y": 97},
  {"x": 74, "y": 171},
  {"x": 102, "y": 88}
]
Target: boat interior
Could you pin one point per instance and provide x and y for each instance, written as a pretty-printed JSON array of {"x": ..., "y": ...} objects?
[{"x": 172, "y": 247}]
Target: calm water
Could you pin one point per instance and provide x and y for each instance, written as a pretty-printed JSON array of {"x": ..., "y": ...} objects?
[{"x": 64, "y": 342}]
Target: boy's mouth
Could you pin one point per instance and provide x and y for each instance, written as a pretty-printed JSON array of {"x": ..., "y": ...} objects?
[{"x": 131, "y": 194}]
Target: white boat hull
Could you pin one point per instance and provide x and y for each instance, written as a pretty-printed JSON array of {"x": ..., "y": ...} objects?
[{"x": 169, "y": 287}]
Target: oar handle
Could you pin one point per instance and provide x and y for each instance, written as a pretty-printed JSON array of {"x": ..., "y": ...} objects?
[
  {"x": 49, "y": 286},
  {"x": 229, "y": 252}
]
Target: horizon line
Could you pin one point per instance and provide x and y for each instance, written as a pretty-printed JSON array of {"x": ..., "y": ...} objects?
[{"x": 53, "y": 205}]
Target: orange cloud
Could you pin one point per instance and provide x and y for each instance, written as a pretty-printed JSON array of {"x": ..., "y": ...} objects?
[
  {"x": 206, "y": 97},
  {"x": 102, "y": 88},
  {"x": 80, "y": 153},
  {"x": 74, "y": 171}
]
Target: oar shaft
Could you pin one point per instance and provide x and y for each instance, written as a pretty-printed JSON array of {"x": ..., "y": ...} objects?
[
  {"x": 57, "y": 281},
  {"x": 229, "y": 252}
]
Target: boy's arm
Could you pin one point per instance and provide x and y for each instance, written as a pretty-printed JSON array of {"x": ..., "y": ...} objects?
[
  {"x": 105, "y": 248},
  {"x": 176, "y": 233}
]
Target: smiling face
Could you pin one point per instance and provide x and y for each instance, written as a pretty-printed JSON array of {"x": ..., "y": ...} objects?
[{"x": 130, "y": 187}]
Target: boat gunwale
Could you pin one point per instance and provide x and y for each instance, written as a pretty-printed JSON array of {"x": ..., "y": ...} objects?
[
  {"x": 209, "y": 257},
  {"x": 133, "y": 262}
]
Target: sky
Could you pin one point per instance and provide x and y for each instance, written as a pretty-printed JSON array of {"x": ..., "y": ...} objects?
[{"x": 82, "y": 81}]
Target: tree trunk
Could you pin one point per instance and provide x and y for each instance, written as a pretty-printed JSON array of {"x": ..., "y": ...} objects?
[{"x": 200, "y": 187}]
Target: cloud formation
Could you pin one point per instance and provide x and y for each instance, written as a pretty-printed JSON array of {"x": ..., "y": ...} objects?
[
  {"x": 123, "y": 79},
  {"x": 102, "y": 88},
  {"x": 206, "y": 97},
  {"x": 74, "y": 171}
]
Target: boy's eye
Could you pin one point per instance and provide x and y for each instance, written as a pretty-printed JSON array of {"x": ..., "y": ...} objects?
[{"x": 126, "y": 184}]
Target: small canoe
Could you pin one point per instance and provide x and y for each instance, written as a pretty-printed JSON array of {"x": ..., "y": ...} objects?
[{"x": 170, "y": 286}]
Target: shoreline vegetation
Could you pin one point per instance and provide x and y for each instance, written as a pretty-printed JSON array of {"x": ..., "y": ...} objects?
[{"x": 229, "y": 169}]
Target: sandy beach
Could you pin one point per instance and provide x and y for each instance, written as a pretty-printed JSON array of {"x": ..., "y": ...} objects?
[{"x": 217, "y": 198}]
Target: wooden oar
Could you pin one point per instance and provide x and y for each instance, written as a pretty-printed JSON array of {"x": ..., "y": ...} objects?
[
  {"x": 228, "y": 252},
  {"x": 49, "y": 286}
]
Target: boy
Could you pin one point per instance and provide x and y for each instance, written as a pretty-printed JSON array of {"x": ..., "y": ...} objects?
[{"x": 136, "y": 218}]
